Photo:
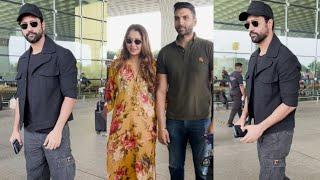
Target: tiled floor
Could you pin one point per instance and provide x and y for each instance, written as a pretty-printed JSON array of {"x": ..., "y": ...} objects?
[{"x": 88, "y": 148}]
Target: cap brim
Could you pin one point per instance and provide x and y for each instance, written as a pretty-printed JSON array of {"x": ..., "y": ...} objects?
[{"x": 243, "y": 16}]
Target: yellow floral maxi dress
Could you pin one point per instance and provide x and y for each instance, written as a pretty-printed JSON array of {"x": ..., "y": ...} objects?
[{"x": 132, "y": 137}]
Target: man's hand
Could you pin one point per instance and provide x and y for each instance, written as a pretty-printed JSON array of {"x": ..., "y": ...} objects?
[
  {"x": 254, "y": 132},
  {"x": 241, "y": 122},
  {"x": 53, "y": 139},
  {"x": 163, "y": 136},
  {"x": 211, "y": 127},
  {"x": 15, "y": 135}
]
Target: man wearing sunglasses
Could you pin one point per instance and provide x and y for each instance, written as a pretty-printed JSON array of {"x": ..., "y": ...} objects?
[
  {"x": 184, "y": 71},
  {"x": 272, "y": 85},
  {"x": 47, "y": 80}
]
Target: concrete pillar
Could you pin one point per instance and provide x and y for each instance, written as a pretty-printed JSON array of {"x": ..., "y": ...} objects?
[{"x": 168, "y": 32}]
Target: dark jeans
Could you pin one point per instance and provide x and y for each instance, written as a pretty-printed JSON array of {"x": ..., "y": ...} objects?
[
  {"x": 223, "y": 99},
  {"x": 42, "y": 163},
  {"x": 273, "y": 149},
  {"x": 180, "y": 132},
  {"x": 236, "y": 108}
]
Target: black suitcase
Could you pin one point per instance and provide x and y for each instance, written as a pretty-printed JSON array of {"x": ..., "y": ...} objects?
[{"x": 100, "y": 122}]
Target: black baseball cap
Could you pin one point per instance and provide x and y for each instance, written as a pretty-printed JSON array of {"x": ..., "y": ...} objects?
[
  {"x": 257, "y": 8},
  {"x": 29, "y": 9}
]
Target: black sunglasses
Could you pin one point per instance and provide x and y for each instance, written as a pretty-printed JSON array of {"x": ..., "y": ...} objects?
[
  {"x": 254, "y": 24},
  {"x": 25, "y": 25},
  {"x": 136, "y": 41}
]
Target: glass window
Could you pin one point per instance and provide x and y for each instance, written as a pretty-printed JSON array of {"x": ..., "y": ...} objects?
[
  {"x": 91, "y": 50},
  {"x": 231, "y": 41},
  {"x": 48, "y": 19},
  {"x": 304, "y": 3},
  {"x": 301, "y": 20},
  {"x": 67, "y": 25},
  {"x": 73, "y": 44},
  {"x": 299, "y": 40},
  {"x": 227, "y": 60},
  {"x": 279, "y": 18},
  {"x": 12, "y": 43},
  {"x": 226, "y": 13},
  {"x": 8, "y": 67},
  {"x": 9, "y": 13},
  {"x": 68, "y": 6},
  {"x": 307, "y": 81},
  {"x": 92, "y": 69},
  {"x": 43, "y": 4},
  {"x": 92, "y": 9},
  {"x": 91, "y": 29}
]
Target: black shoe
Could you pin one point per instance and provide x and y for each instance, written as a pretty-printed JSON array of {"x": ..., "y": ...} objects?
[{"x": 230, "y": 125}]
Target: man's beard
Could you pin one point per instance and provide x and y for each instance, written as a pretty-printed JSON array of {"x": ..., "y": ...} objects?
[
  {"x": 258, "y": 38},
  {"x": 35, "y": 38},
  {"x": 184, "y": 31}
]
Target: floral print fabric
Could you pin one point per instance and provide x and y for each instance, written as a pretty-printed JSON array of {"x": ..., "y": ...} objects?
[{"x": 132, "y": 136}]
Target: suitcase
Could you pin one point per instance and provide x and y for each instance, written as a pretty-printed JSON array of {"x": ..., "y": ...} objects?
[{"x": 100, "y": 122}]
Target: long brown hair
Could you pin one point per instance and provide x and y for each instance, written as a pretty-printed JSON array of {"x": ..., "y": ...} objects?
[{"x": 147, "y": 71}]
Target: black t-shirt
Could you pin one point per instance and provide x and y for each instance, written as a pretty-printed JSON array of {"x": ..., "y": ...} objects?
[
  {"x": 257, "y": 66},
  {"x": 28, "y": 121}
]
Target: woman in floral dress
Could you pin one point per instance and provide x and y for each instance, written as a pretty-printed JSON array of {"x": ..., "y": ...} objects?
[{"x": 130, "y": 93}]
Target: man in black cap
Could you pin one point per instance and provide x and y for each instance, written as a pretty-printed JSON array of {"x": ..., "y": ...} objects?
[
  {"x": 272, "y": 93},
  {"x": 47, "y": 80}
]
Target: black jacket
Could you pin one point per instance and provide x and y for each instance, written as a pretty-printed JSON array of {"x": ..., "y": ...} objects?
[
  {"x": 275, "y": 82},
  {"x": 52, "y": 79}
]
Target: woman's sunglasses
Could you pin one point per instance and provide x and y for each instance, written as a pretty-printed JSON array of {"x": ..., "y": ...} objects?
[
  {"x": 25, "y": 25},
  {"x": 136, "y": 41},
  {"x": 254, "y": 24}
]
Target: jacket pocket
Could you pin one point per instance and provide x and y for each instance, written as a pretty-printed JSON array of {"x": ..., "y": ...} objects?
[
  {"x": 49, "y": 72},
  {"x": 48, "y": 78},
  {"x": 269, "y": 79}
]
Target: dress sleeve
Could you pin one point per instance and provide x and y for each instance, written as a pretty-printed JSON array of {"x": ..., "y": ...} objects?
[{"x": 111, "y": 88}]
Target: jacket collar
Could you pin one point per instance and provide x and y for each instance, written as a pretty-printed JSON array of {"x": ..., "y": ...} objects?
[
  {"x": 48, "y": 48},
  {"x": 270, "y": 56}
]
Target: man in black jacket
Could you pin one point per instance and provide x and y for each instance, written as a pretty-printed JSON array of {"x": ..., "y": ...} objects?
[
  {"x": 272, "y": 85},
  {"x": 47, "y": 80}
]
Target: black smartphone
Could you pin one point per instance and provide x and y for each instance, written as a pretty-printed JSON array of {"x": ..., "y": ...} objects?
[
  {"x": 16, "y": 146},
  {"x": 237, "y": 131}
]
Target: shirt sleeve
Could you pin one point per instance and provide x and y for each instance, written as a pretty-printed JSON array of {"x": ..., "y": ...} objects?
[
  {"x": 68, "y": 75},
  {"x": 111, "y": 88},
  {"x": 161, "y": 66},
  {"x": 289, "y": 76}
]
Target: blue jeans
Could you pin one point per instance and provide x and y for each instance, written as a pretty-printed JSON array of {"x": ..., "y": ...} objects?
[{"x": 180, "y": 132}]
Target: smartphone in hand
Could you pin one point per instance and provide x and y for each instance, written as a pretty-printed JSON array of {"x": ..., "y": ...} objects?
[
  {"x": 237, "y": 131},
  {"x": 16, "y": 146}
]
